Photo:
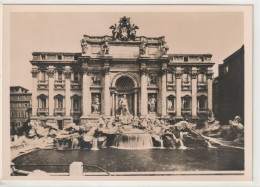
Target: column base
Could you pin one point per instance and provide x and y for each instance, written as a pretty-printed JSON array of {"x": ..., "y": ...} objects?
[
  {"x": 194, "y": 117},
  {"x": 179, "y": 118}
]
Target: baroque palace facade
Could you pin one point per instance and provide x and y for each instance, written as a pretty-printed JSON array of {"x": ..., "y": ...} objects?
[{"x": 77, "y": 87}]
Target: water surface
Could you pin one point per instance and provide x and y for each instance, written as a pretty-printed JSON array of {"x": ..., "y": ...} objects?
[{"x": 116, "y": 160}]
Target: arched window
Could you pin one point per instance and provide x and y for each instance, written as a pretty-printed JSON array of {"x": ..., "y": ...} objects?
[
  {"x": 202, "y": 102},
  {"x": 186, "y": 102},
  {"x": 59, "y": 101},
  {"x": 42, "y": 101},
  {"x": 75, "y": 101}
]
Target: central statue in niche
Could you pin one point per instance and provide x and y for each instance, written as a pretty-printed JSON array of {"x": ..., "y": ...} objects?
[
  {"x": 125, "y": 115},
  {"x": 124, "y": 110}
]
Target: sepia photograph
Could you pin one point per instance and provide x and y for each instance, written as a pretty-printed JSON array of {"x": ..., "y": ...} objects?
[{"x": 128, "y": 91}]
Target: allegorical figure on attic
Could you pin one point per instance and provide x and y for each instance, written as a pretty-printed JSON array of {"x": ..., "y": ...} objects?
[
  {"x": 106, "y": 47},
  {"x": 84, "y": 46},
  {"x": 115, "y": 31},
  {"x": 143, "y": 48},
  {"x": 133, "y": 31}
]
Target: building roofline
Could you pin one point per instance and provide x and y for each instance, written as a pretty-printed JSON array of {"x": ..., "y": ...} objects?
[
  {"x": 19, "y": 87},
  {"x": 191, "y": 54},
  {"x": 234, "y": 54},
  {"x": 62, "y": 53}
]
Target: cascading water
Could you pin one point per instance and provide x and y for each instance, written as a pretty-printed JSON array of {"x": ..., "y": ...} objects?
[
  {"x": 133, "y": 141},
  {"x": 94, "y": 144},
  {"x": 179, "y": 141},
  {"x": 209, "y": 145},
  {"x": 161, "y": 141}
]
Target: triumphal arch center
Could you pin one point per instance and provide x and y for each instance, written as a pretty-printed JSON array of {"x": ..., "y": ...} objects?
[{"x": 120, "y": 73}]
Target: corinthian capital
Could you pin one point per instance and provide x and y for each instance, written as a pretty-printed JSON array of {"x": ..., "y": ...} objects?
[
  {"x": 85, "y": 71},
  {"x": 67, "y": 74},
  {"x": 50, "y": 73},
  {"x": 106, "y": 70},
  {"x": 143, "y": 70},
  {"x": 194, "y": 75},
  {"x": 34, "y": 73},
  {"x": 178, "y": 74},
  {"x": 209, "y": 75}
]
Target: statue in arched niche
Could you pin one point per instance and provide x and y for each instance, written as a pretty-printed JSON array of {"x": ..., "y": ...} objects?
[
  {"x": 152, "y": 104},
  {"x": 124, "y": 110}
]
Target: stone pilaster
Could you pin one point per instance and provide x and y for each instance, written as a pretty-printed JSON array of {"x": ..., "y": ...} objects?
[
  {"x": 178, "y": 75},
  {"x": 105, "y": 90},
  {"x": 163, "y": 92},
  {"x": 50, "y": 74},
  {"x": 67, "y": 75},
  {"x": 209, "y": 80},
  {"x": 86, "y": 100},
  {"x": 194, "y": 75},
  {"x": 34, "y": 91},
  {"x": 144, "y": 98},
  {"x": 136, "y": 103}
]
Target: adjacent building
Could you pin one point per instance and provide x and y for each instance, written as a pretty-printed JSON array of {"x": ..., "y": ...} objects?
[
  {"x": 78, "y": 87},
  {"x": 229, "y": 88},
  {"x": 20, "y": 106}
]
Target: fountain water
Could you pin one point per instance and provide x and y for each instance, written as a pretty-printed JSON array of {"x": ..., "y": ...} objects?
[
  {"x": 182, "y": 145},
  {"x": 209, "y": 145},
  {"x": 94, "y": 144},
  {"x": 131, "y": 140},
  {"x": 161, "y": 142},
  {"x": 179, "y": 141}
]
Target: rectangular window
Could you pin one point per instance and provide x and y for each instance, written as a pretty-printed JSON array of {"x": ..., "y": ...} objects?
[
  {"x": 185, "y": 77},
  {"x": 76, "y": 104},
  {"x": 170, "y": 77},
  {"x": 59, "y": 57},
  {"x": 42, "y": 76},
  {"x": 59, "y": 75},
  {"x": 201, "y": 77},
  {"x": 76, "y": 76},
  {"x": 185, "y": 59},
  {"x": 43, "y": 57},
  {"x": 60, "y": 103}
]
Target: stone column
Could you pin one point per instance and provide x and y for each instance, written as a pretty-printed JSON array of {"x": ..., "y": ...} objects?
[
  {"x": 50, "y": 73},
  {"x": 67, "y": 74},
  {"x": 209, "y": 79},
  {"x": 143, "y": 92},
  {"x": 113, "y": 103},
  {"x": 106, "y": 91},
  {"x": 178, "y": 75},
  {"x": 116, "y": 101},
  {"x": 34, "y": 91},
  {"x": 163, "y": 92},
  {"x": 136, "y": 103},
  {"x": 194, "y": 92},
  {"x": 86, "y": 100}
]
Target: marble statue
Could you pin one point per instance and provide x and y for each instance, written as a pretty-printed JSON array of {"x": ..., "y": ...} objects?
[
  {"x": 95, "y": 104},
  {"x": 152, "y": 104},
  {"x": 84, "y": 46},
  {"x": 124, "y": 110},
  {"x": 106, "y": 47},
  {"x": 143, "y": 48}
]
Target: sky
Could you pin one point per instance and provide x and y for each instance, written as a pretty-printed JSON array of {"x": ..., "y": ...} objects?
[{"x": 217, "y": 33}]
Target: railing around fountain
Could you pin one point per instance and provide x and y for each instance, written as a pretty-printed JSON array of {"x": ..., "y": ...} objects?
[{"x": 74, "y": 169}]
